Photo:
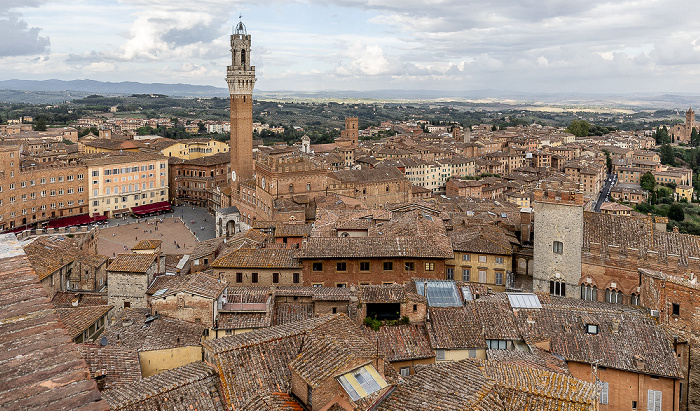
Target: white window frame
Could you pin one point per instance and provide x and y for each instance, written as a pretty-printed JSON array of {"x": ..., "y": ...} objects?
[{"x": 654, "y": 402}]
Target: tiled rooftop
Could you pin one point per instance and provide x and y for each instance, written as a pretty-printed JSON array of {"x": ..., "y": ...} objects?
[
  {"x": 258, "y": 258},
  {"x": 132, "y": 263},
  {"x": 636, "y": 234},
  {"x": 377, "y": 247},
  {"x": 147, "y": 245},
  {"x": 78, "y": 319},
  {"x": 161, "y": 333},
  {"x": 39, "y": 366},
  {"x": 117, "y": 365},
  {"x": 194, "y": 386},
  {"x": 401, "y": 342}
]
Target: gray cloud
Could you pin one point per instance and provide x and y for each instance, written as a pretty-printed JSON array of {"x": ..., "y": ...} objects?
[
  {"x": 204, "y": 33},
  {"x": 18, "y": 39}
]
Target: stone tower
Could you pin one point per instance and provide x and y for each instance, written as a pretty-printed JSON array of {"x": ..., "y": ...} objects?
[
  {"x": 351, "y": 132},
  {"x": 689, "y": 121},
  {"x": 558, "y": 239},
  {"x": 240, "y": 76},
  {"x": 306, "y": 144},
  {"x": 467, "y": 137}
]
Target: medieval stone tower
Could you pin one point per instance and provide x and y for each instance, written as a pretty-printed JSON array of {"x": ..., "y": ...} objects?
[
  {"x": 689, "y": 121},
  {"x": 558, "y": 240},
  {"x": 351, "y": 131},
  {"x": 240, "y": 76}
]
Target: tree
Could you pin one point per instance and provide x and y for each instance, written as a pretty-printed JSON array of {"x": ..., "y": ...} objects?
[
  {"x": 661, "y": 136},
  {"x": 647, "y": 181},
  {"x": 201, "y": 128},
  {"x": 608, "y": 161},
  {"x": 675, "y": 212},
  {"x": 667, "y": 155},
  {"x": 40, "y": 125},
  {"x": 579, "y": 128},
  {"x": 694, "y": 137}
]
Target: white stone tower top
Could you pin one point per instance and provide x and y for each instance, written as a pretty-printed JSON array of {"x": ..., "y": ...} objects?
[{"x": 240, "y": 75}]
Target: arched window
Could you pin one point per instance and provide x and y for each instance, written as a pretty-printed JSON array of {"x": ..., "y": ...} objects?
[
  {"x": 557, "y": 287},
  {"x": 558, "y": 247},
  {"x": 634, "y": 299},
  {"x": 613, "y": 296},
  {"x": 589, "y": 292}
]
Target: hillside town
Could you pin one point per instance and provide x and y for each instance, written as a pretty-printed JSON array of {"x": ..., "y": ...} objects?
[{"x": 445, "y": 267}]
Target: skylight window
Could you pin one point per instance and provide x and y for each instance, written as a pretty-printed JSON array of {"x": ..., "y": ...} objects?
[
  {"x": 524, "y": 300},
  {"x": 362, "y": 382},
  {"x": 439, "y": 293},
  {"x": 467, "y": 294}
]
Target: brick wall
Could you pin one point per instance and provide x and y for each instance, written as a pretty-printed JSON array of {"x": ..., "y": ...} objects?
[
  {"x": 265, "y": 276},
  {"x": 39, "y": 193},
  {"x": 329, "y": 276},
  {"x": 625, "y": 387},
  {"x": 186, "y": 307}
]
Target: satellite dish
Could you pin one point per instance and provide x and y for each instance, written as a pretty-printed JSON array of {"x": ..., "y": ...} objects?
[{"x": 103, "y": 341}]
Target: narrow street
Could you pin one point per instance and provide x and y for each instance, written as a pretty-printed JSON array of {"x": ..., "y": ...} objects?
[{"x": 605, "y": 192}]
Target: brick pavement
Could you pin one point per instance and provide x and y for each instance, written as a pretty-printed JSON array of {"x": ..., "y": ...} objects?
[{"x": 171, "y": 230}]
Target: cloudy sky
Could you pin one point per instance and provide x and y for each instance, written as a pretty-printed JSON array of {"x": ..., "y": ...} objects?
[{"x": 515, "y": 45}]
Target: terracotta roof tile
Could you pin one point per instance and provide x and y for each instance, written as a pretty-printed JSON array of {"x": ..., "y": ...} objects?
[
  {"x": 51, "y": 374},
  {"x": 401, "y": 342},
  {"x": 132, "y": 263},
  {"x": 242, "y": 320},
  {"x": 377, "y": 247},
  {"x": 291, "y": 312},
  {"x": 194, "y": 386},
  {"x": 134, "y": 333},
  {"x": 453, "y": 328},
  {"x": 258, "y": 258},
  {"x": 117, "y": 365},
  {"x": 78, "y": 319},
  {"x": 147, "y": 245}
]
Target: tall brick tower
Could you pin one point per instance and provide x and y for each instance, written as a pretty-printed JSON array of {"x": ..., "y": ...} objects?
[
  {"x": 689, "y": 123},
  {"x": 351, "y": 131},
  {"x": 240, "y": 76}
]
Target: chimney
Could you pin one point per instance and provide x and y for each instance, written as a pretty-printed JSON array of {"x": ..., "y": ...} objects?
[
  {"x": 675, "y": 229},
  {"x": 615, "y": 327}
]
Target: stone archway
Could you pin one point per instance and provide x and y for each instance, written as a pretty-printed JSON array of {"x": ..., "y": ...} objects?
[{"x": 229, "y": 221}]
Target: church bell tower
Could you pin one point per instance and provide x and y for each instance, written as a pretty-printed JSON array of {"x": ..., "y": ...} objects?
[{"x": 240, "y": 76}]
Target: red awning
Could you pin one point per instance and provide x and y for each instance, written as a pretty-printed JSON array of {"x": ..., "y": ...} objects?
[
  {"x": 82, "y": 219},
  {"x": 151, "y": 208}
]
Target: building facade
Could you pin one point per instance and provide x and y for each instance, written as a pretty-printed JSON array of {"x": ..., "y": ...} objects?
[
  {"x": 119, "y": 181},
  {"x": 558, "y": 233}
]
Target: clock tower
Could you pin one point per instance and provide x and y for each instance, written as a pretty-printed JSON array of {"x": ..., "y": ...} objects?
[{"x": 240, "y": 76}]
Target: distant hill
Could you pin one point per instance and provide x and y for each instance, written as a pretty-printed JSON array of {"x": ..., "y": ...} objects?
[
  {"x": 55, "y": 91},
  {"x": 83, "y": 87}
]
